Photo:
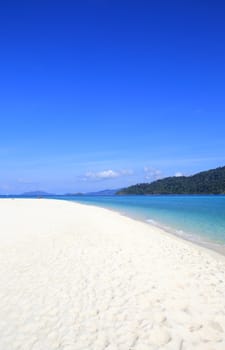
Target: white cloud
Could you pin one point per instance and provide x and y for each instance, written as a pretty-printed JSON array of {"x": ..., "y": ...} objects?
[
  {"x": 106, "y": 174},
  {"x": 152, "y": 174},
  {"x": 126, "y": 172},
  {"x": 178, "y": 174}
]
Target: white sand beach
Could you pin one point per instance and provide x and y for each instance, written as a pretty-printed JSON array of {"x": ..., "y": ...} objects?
[{"x": 76, "y": 277}]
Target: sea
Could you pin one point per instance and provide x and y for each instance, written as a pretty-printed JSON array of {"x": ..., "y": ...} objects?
[{"x": 198, "y": 218}]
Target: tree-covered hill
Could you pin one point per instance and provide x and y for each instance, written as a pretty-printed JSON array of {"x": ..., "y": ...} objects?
[{"x": 206, "y": 182}]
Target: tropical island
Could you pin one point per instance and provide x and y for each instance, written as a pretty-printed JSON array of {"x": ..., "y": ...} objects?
[{"x": 206, "y": 182}]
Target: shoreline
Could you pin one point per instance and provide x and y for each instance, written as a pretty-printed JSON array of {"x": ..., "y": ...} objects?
[
  {"x": 209, "y": 245},
  {"x": 76, "y": 276},
  {"x": 195, "y": 239}
]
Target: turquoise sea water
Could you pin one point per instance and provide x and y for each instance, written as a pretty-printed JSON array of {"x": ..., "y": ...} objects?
[{"x": 198, "y": 218}]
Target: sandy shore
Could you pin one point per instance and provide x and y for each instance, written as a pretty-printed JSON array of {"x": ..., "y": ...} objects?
[{"x": 75, "y": 277}]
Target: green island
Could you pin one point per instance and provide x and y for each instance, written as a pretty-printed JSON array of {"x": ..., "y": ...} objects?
[{"x": 206, "y": 182}]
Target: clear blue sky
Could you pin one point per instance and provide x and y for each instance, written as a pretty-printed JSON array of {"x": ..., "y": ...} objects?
[{"x": 104, "y": 93}]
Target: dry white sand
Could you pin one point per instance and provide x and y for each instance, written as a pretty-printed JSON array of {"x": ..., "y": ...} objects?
[{"x": 75, "y": 277}]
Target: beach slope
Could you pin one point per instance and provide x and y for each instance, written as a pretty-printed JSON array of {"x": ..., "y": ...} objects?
[{"x": 76, "y": 277}]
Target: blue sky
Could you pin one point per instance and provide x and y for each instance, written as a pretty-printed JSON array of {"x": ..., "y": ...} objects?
[{"x": 103, "y": 94}]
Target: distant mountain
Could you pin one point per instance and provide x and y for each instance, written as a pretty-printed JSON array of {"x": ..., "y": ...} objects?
[
  {"x": 73, "y": 194},
  {"x": 98, "y": 193},
  {"x": 102, "y": 193},
  {"x": 206, "y": 182},
  {"x": 36, "y": 194}
]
